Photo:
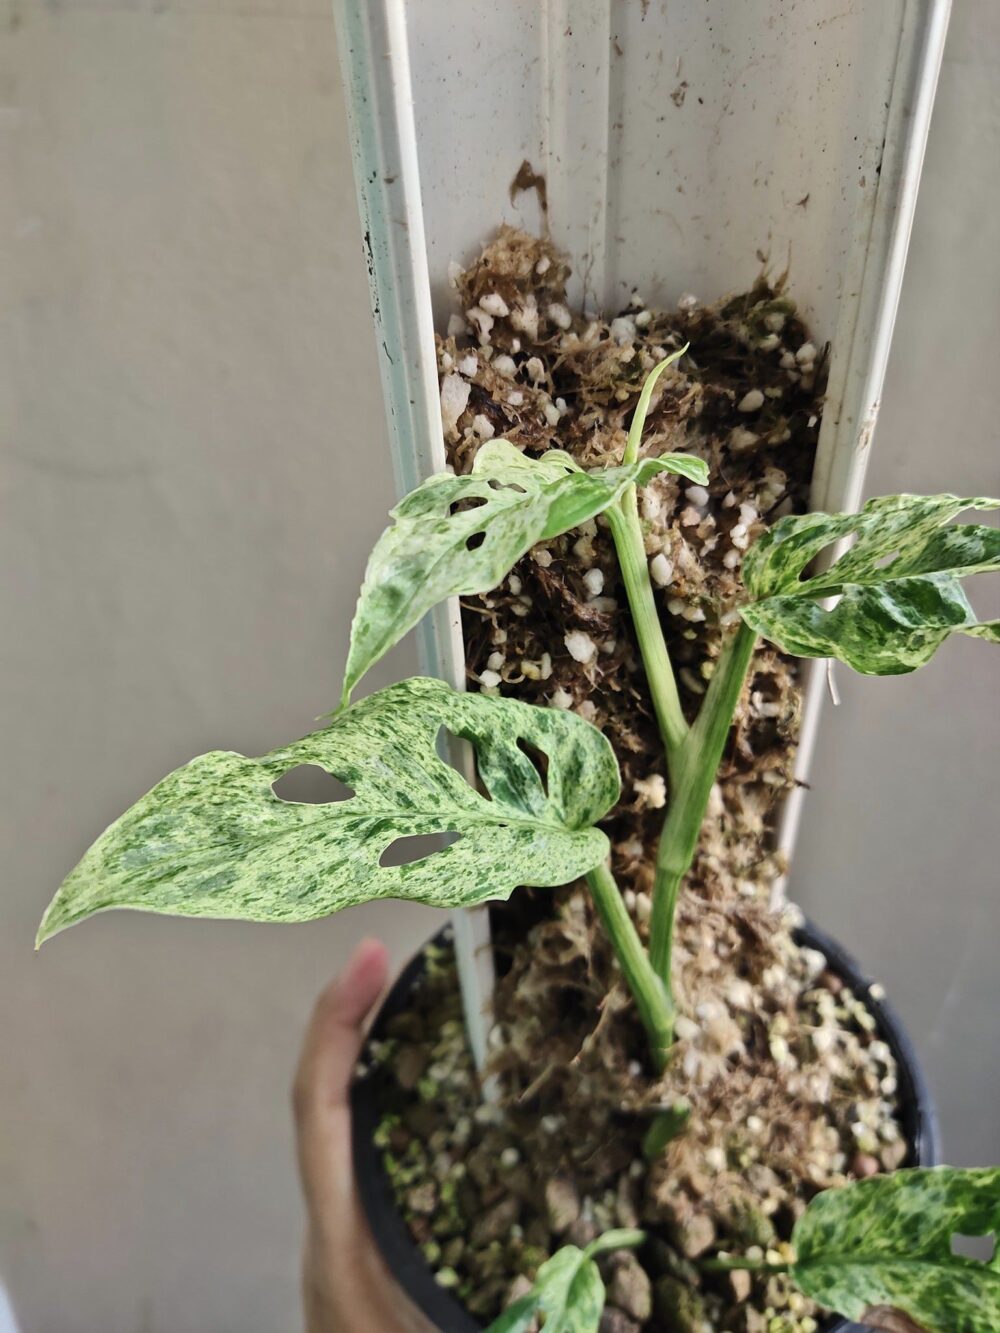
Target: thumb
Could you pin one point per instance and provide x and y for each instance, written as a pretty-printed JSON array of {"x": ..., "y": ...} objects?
[{"x": 321, "y": 1093}]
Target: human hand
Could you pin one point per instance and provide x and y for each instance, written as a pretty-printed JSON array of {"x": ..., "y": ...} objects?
[{"x": 347, "y": 1287}]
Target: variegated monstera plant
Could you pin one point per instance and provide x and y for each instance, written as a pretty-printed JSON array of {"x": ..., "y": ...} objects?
[{"x": 213, "y": 839}]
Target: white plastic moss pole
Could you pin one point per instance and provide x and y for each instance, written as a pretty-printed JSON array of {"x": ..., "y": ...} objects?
[{"x": 678, "y": 143}]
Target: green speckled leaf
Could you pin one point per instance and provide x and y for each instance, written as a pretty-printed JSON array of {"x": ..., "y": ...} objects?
[
  {"x": 897, "y": 589},
  {"x": 568, "y": 1289},
  {"x": 213, "y": 840},
  {"x": 519, "y": 1317},
  {"x": 885, "y": 1244},
  {"x": 426, "y": 556},
  {"x": 570, "y": 1292}
]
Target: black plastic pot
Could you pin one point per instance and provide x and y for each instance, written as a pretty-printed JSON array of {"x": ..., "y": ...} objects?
[{"x": 402, "y": 1255}]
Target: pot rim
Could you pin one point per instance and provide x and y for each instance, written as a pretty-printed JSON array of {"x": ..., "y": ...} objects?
[{"x": 403, "y": 1257}]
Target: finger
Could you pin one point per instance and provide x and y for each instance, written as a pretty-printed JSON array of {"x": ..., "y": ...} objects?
[
  {"x": 334, "y": 1036},
  {"x": 322, "y": 1088}
]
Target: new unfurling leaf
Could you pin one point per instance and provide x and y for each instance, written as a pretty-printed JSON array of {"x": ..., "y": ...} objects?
[
  {"x": 456, "y": 536},
  {"x": 213, "y": 840},
  {"x": 897, "y": 589},
  {"x": 882, "y": 1249},
  {"x": 568, "y": 1289}
]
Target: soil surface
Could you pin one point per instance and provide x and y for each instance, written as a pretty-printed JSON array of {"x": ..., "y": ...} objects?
[{"x": 780, "y": 1085}]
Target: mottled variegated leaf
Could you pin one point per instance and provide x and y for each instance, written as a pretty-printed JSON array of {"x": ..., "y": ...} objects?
[
  {"x": 897, "y": 589},
  {"x": 455, "y": 536},
  {"x": 884, "y": 1245},
  {"x": 519, "y": 1317},
  {"x": 568, "y": 1289},
  {"x": 213, "y": 839}
]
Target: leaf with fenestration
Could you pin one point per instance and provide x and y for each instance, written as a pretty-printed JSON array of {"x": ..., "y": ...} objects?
[
  {"x": 457, "y": 536},
  {"x": 884, "y": 1245},
  {"x": 213, "y": 840},
  {"x": 896, "y": 590},
  {"x": 568, "y": 1289}
]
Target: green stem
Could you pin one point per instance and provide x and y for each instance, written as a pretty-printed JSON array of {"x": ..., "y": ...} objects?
[
  {"x": 691, "y": 787},
  {"x": 651, "y": 997},
  {"x": 627, "y": 533}
]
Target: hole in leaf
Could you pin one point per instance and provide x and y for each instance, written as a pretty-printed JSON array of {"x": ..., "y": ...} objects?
[
  {"x": 461, "y": 754},
  {"x": 463, "y": 506},
  {"x": 506, "y": 486},
  {"x": 475, "y": 541},
  {"x": 540, "y": 760},
  {"x": 308, "y": 784},
  {"x": 417, "y": 847},
  {"x": 981, "y": 1248}
]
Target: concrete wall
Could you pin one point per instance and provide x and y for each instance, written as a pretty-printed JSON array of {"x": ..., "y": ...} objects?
[{"x": 195, "y": 466}]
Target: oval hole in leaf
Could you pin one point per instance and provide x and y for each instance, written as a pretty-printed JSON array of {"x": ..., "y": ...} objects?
[
  {"x": 463, "y": 506},
  {"x": 418, "y": 847},
  {"x": 540, "y": 760},
  {"x": 475, "y": 540},
  {"x": 461, "y": 754},
  {"x": 981, "y": 1248},
  {"x": 308, "y": 784}
]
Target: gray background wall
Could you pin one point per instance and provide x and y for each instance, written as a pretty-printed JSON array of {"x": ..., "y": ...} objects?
[{"x": 195, "y": 466}]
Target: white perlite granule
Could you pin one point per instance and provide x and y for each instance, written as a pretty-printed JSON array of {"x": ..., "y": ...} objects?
[
  {"x": 455, "y": 393},
  {"x": 580, "y": 646}
]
